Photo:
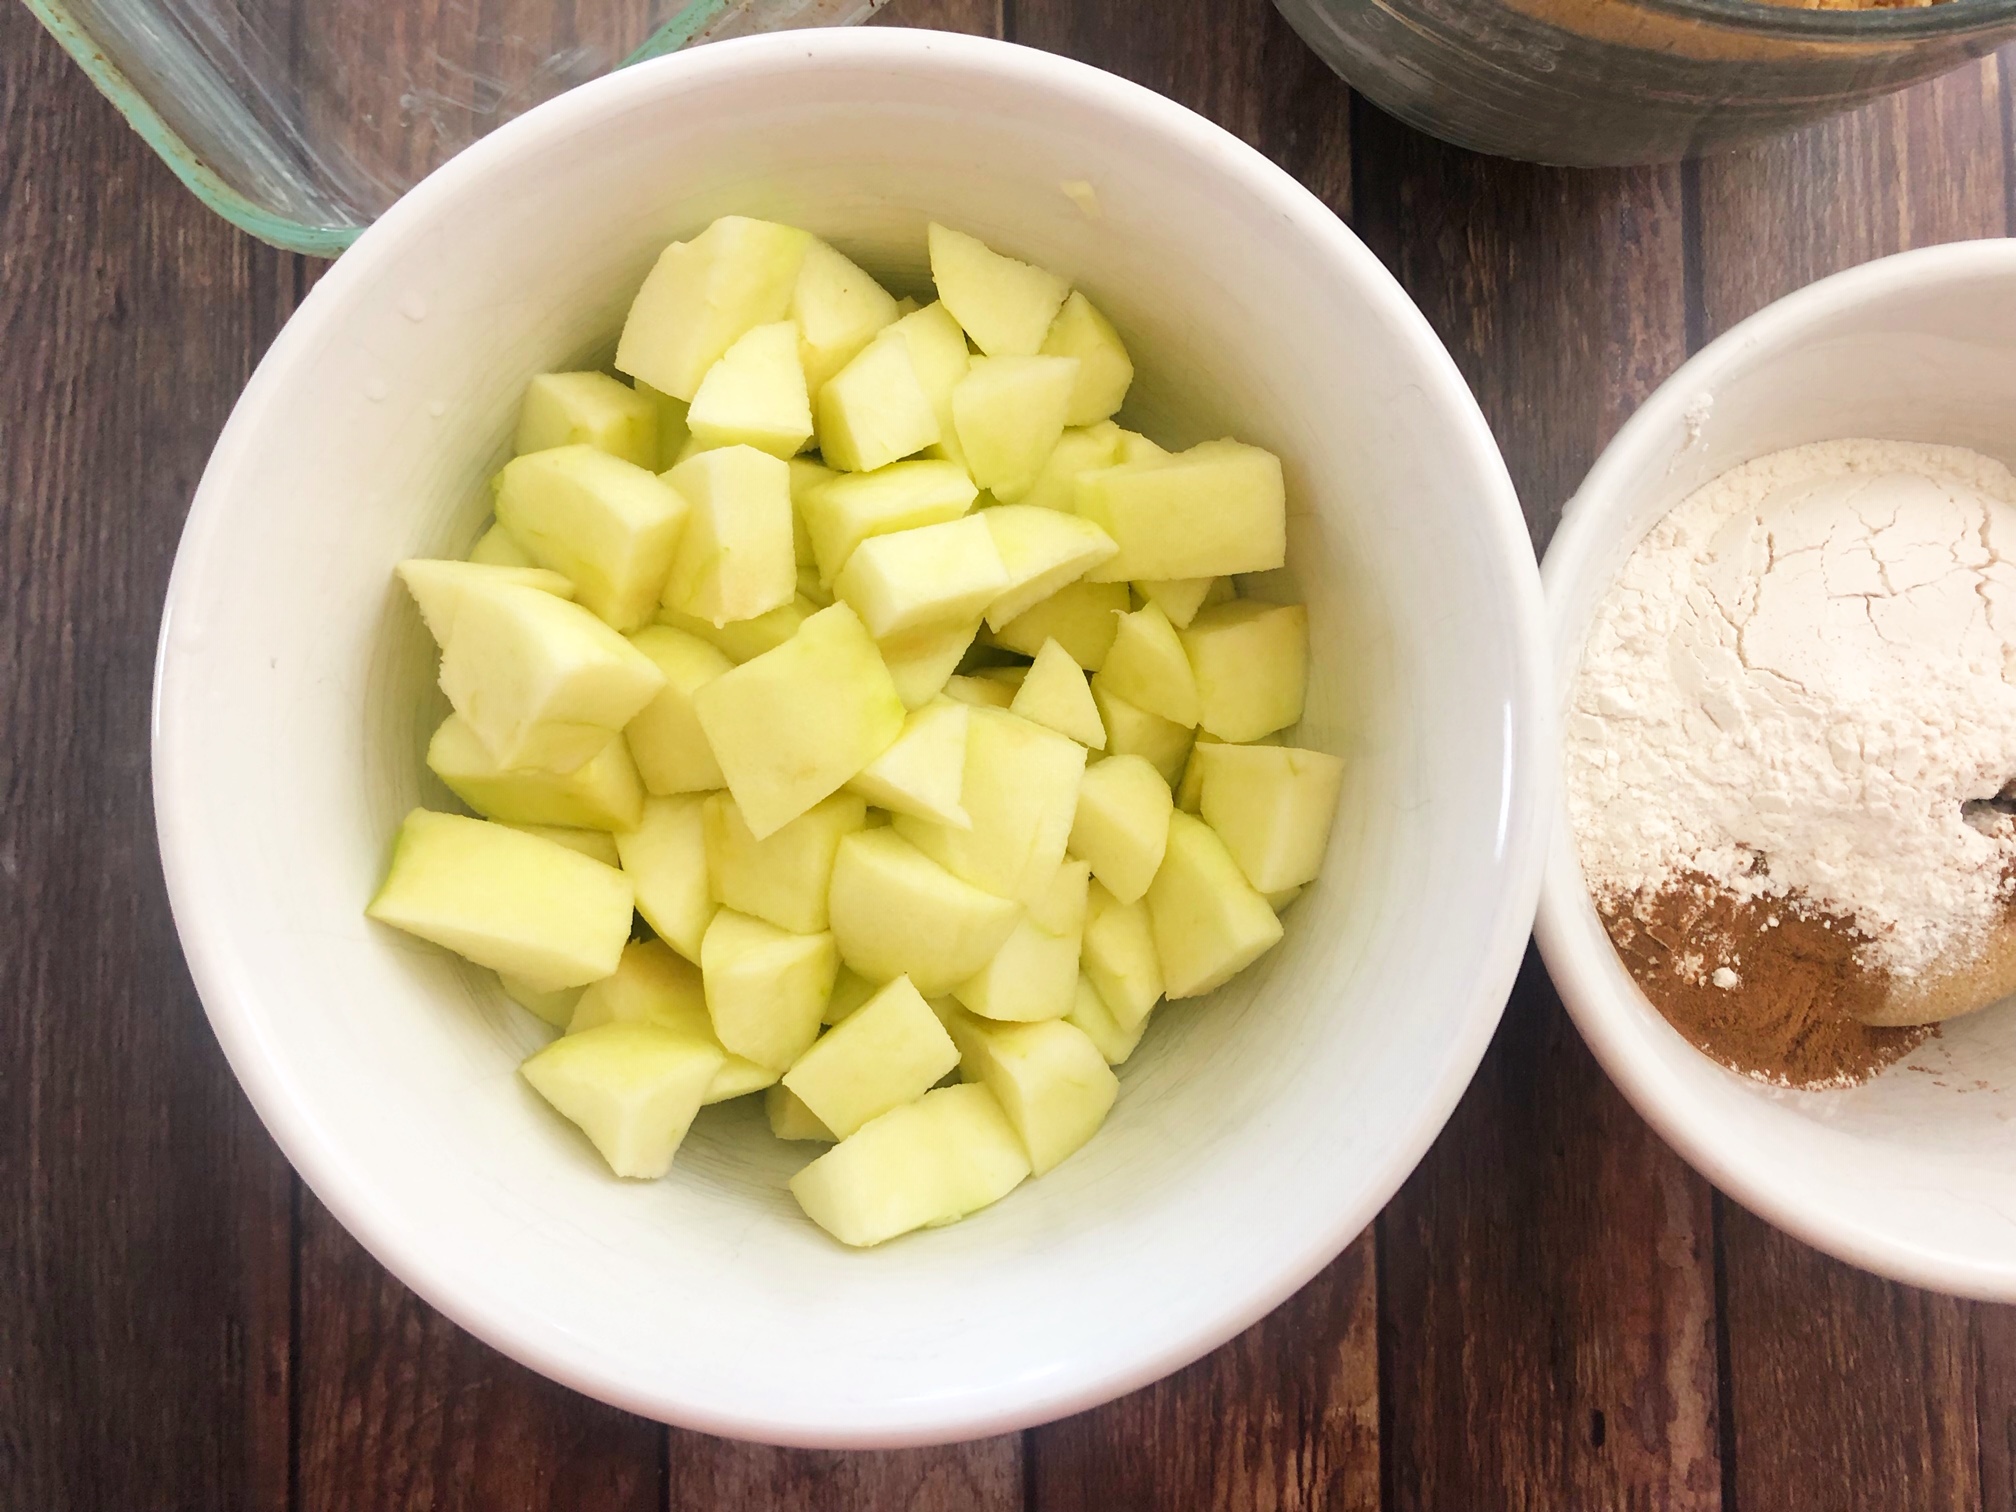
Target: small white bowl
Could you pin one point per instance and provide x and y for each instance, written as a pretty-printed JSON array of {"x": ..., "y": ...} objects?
[
  {"x": 1912, "y": 1175},
  {"x": 1257, "y": 1133}
]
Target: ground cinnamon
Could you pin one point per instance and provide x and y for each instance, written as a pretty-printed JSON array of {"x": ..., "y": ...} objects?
[{"x": 1767, "y": 987}]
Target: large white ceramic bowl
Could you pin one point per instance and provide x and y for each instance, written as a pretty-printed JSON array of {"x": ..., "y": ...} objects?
[
  {"x": 1913, "y": 1174},
  {"x": 1257, "y": 1132}
]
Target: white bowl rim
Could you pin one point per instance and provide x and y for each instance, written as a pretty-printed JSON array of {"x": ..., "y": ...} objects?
[
  {"x": 1572, "y": 961},
  {"x": 1524, "y": 819}
]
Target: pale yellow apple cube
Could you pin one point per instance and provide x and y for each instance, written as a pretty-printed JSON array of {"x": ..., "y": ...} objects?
[
  {"x": 439, "y": 588},
  {"x": 784, "y": 877},
  {"x": 939, "y": 358},
  {"x": 603, "y": 793},
  {"x": 850, "y": 991},
  {"x": 595, "y": 844},
  {"x": 1251, "y": 660},
  {"x": 1041, "y": 551},
  {"x": 921, "y": 661},
  {"x": 672, "y": 432},
  {"x": 1055, "y": 485},
  {"x": 924, "y": 1164},
  {"x": 495, "y": 548},
  {"x": 755, "y": 395},
  {"x": 735, "y": 559},
  {"x": 766, "y": 987},
  {"x": 792, "y": 725},
  {"x": 665, "y": 738},
  {"x": 632, "y": 1088},
  {"x": 653, "y": 984},
  {"x": 701, "y": 295},
  {"x": 924, "y": 768},
  {"x": 744, "y": 640},
  {"x": 1020, "y": 791},
  {"x": 1050, "y": 1078},
  {"x": 806, "y": 475},
  {"x": 1090, "y": 1014},
  {"x": 1133, "y": 731},
  {"x": 1209, "y": 923},
  {"x": 1005, "y": 305},
  {"x": 791, "y": 1119},
  {"x": 1135, "y": 447},
  {"x": 1150, "y": 669},
  {"x": 554, "y": 1005},
  {"x": 980, "y": 692},
  {"x": 665, "y": 856},
  {"x": 588, "y": 409},
  {"x": 1009, "y": 413},
  {"x": 1181, "y": 598},
  {"x": 896, "y": 912},
  {"x": 933, "y": 575},
  {"x": 874, "y": 411},
  {"x": 1055, "y": 694},
  {"x": 1032, "y": 976},
  {"x": 838, "y": 309},
  {"x": 1216, "y": 509},
  {"x": 1105, "y": 371},
  {"x": 1081, "y": 617},
  {"x": 890, "y": 1051},
  {"x": 1273, "y": 806},
  {"x": 609, "y": 526},
  {"x": 522, "y": 906},
  {"x": 1122, "y": 824},
  {"x": 847, "y": 508},
  {"x": 1118, "y": 956}
]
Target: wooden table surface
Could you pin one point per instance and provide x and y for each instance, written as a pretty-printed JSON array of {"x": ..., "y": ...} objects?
[{"x": 1555, "y": 1312}]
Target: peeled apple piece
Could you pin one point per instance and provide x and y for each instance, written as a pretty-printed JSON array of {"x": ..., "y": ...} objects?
[
  {"x": 1054, "y": 694},
  {"x": 1090, "y": 1014},
  {"x": 595, "y": 844},
  {"x": 1118, "y": 956},
  {"x": 850, "y": 991},
  {"x": 1041, "y": 551},
  {"x": 766, "y": 987},
  {"x": 603, "y": 793},
  {"x": 745, "y": 640},
  {"x": 1033, "y": 975},
  {"x": 924, "y": 769},
  {"x": 792, "y": 725},
  {"x": 933, "y": 575},
  {"x": 1077, "y": 451},
  {"x": 1133, "y": 731},
  {"x": 735, "y": 559},
  {"x": 847, "y": 508},
  {"x": 1209, "y": 923},
  {"x": 896, "y": 912},
  {"x": 654, "y": 985},
  {"x": 1050, "y": 1079},
  {"x": 939, "y": 359},
  {"x": 755, "y": 395},
  {"x": 980, "y": 692},
  {"x": 1251, "y": 662},
  {"x": 1122, "y": 824},
  {"x": 921, "y": 661},
  {"x": 806, "y": 475},
  {"x": 588, "y": 409},
  {"x": 609, "y": 526},
  {"x": 890, "y": 1051},
  {"x": 1006, "y": 306},
  {"x": 1105, "y": 371},
  {"x": 1149, "y": 668},
  {"x": 672, "y": 432},
  {"x": 1273, "y": 806},
  {"x": 522, "y": 906},
  {"x": 874, "y": 411},
  {"x": 783, "y": 878},
  {"x": 791, "y": 1119},
  {"x": 1081, "y": 617},
  {"x": 555, "y": 1006},
  {"x": 1214, "y": 510},
  {"x": 665, "y": 857},
  {"x": 1181, "y": 598},
  {"x": 438, "y": 588},
  {"x": 838, "y": 309},
  {"x": 702, "y": 295},
  {"x": 632, "y": 1088},
  {"x": 1009, "y": 413},
  {"x": 927, "y": 1163},
  {"x": 665, "y": 738},
  {"x": 495, "y": 548}
]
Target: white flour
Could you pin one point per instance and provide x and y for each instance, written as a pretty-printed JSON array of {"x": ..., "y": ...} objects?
[{"x": 1799, "y": 677}]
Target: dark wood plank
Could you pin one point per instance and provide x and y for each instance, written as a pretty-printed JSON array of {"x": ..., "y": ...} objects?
[
  {"x": 144, "y": 1231},
  {"x": 1845, "y": 1390},
  {"x": 1548, "y": 1320},
  {"x": 982, "y": 18}
]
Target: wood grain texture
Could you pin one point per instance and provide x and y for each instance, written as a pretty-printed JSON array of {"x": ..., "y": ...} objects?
[
  {"x": 711, "y": 1474},
  {"x": 144, "y": 1232},
  {"x": 1845, "y": 1390}
]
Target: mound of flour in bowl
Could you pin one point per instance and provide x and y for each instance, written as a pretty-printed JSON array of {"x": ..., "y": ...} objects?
[{"x": 1802, "y": 687}]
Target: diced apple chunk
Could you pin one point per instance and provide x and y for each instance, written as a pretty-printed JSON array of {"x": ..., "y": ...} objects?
[
  {"x": 1041, "y": 551},
  {"x": 838, "y": 308},
  {"x": 1020, "y": 791},
  {"x": 1148, "y": 667},
  {"x": 920, "y": 662},
  {"x": 1181, "y": 598},
  {"x": 602, "y": 793},
  {"x": 896, "y": 912},
  {"x": 1006, "y": 306},
  {"x": 766, "y": 987},
  {"x": 874, "y": 411},
  {"x": 735, "y": 559},
  {"x": 1090, "y": 1014},
  {"x": 1135, "y": 447},
  {"x": 632, "y": 1088},
  {"x": 1032, "y": 975},
  {"x": 702, "y": 295},
  {"x": 784, "y": 877},
  {"x": 1050, "y": 1078},
  {"x": 791, "y": 1119},
  {"x": 980, "y": 692},
  {"x": 755, "y": 395},
  {"x": 1077, "y": 451},
  {"x": 608, "y": 525},
  {"x": 792, "y": 725},
  {"x": 1009, "y": 413},
  {"x": 1081, "y": 617},
  {"x": 1122, "y": 824},
  {"x": 665, "y": 856},
  {"x": 1273, "y": 806},
  {"x": 927, "y": 1163},
  {"x": 933, "y": 575},
  {"x": 665, "y": 738},
  {"x": 672, "y": 431},
  {"x": 1209, "y": 923},
  {"x": 1133, "y": 731},
  {"x": 554, "y": 1005},
  {"x": 848, "y": 508},
  {"x": 1118, "y": 956},
  {"x": 850, "y": 991},
  {"x": 939, "y": 358},
  {"x": 889, "y": 1052},
  {"x": 806, "y": 475},
  {"x": 588, "y": 409},
  {"x": 924, "y": 769},
  {"x": 595, "y": 844},
  {"x": 1104, "y": 369},
  {"x": 522, "y": 906},
  {"x": 495, "y": 548},
  {"x": 745, "y": 640},
  {"x": 1055, "y": 695},
  {"x": 655, "y": 985},
  {"x": 1252, "y": 665},
  {"x": 440, "y": 588},
  {"x": 1216, "y": 509}
]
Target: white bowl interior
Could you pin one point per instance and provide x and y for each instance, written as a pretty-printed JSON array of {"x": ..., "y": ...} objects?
[
  {"x": 1913, "y": 1173},
  {"x": 1257, "y": 1131}
]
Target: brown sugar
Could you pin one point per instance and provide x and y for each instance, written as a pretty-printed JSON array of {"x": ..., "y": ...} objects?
[{"x": 1772, "y": 988}]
